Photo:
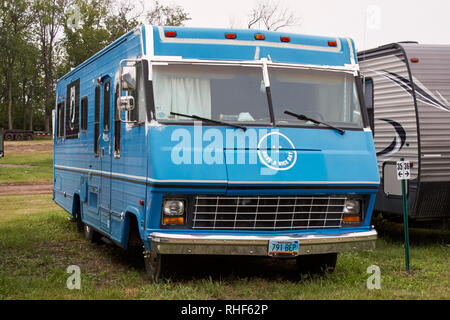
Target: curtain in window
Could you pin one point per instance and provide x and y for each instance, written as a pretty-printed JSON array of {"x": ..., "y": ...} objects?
[{"x": 181, "y": 94}]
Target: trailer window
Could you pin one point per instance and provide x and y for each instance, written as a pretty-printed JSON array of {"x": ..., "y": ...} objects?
[
  {"x": 60, "y": 114},
  {"x": 96, "y": 120},
  {"x": 227, "y": 93},
  {"x": 84, "y": 113},
  {"x": 322, "y": 95},
  {"x": 73, "y": 110}
]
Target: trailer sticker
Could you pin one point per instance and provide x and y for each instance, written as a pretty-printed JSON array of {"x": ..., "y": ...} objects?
[
  {"x": 398, "y": 142},
  {"x": 422, "y": 93}
]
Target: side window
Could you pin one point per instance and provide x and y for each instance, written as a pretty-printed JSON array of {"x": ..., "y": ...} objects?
[
  {"x": 96, "y": 120},
  {"x": 368, "y": 99},
  {"x": 84, "y": 113},
  {"x": 106, "y": 105},
  {"x": 117, "y": 124},
  {"x": 73, "y": 110},
  {"x": 60, "y": 115}
]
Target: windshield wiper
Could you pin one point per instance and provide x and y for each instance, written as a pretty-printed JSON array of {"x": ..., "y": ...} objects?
[
  {"x": 208, "y": 120},
  {"x": 305, "y": 118}
]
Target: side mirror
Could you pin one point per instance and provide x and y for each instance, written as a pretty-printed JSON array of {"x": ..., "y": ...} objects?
[
  {"x": 126, "y": 103},
  {"x": 128, "y": 78},
  {"x": 127, "y": 82}
]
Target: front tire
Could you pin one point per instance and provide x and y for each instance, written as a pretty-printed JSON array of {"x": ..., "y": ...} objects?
[
  {"x": 154, "y": 266},
  {"x": 317, "y": 263}
]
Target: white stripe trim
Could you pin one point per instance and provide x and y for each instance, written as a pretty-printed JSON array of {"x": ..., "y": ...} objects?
[
  {"x": 143, "y": 179},
  {"x": 305, "y": 182}
]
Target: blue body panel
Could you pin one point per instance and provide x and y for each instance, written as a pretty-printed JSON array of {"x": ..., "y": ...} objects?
[
  {"x": 192, "y": 44},
  {"x": 111, "y": 189}
]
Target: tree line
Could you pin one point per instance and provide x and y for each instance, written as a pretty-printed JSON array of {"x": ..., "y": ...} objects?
[{"x": 41, "y": 40}]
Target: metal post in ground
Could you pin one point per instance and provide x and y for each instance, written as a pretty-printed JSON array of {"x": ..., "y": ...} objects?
[{"x": 405, "y": 213}]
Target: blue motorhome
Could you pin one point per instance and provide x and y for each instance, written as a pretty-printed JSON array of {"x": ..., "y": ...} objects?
[{"x": 186, "y": 141}]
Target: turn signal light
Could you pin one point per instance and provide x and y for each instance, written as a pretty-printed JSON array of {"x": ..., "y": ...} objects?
[
  {"x": 332, "y": 43},
  {"x": 230, "y": 35},
  {"x": 352, "y": 219},
  {"x": 285, "y": 39},
  {"x": 260, "y": 36},
  {"x": 171, "y": 34},
  {"x": 415, "y": 60},
  {"x": 173, "y": 220}
]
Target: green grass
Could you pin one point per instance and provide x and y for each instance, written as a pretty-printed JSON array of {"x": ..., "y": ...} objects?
[
  {"x": 38, "y": 243},
  {"x": 25, "y": 167}
]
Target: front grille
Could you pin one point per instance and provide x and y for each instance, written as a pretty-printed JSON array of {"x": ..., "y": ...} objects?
[{"x": 268, "y": 213}]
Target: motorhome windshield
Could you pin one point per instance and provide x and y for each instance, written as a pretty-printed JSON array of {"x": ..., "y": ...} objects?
[
  {"x": 238, "y": 94},
  {"x": 321, "y": 95},
  {"x": 224, "y": 93}
]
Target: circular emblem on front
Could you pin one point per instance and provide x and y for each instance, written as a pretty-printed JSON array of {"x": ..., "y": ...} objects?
[{"x": 276, "y": 151}]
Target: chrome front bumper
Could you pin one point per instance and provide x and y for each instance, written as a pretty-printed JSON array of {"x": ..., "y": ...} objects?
[{"x": 171, "y": 243}]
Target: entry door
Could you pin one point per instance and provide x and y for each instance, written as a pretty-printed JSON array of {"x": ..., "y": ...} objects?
[{"x": 105, "y": 147}]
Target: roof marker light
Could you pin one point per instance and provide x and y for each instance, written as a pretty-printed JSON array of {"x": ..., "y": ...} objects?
[
  {"x": 230, "y": 36},
  {"x": 414, "y": 60},
  {"x": 285, "y": 39},
  {"x": 332, "y": 43},
  {"x": 259, "y": 36},
  {"x": 171, "y": 34}
]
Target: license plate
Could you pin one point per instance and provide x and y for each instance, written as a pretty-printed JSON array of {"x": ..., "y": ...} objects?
[{"x": 286, "y": 248}]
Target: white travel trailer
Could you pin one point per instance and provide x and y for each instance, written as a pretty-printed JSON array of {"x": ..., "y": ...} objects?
[{"x": 407, "y": 92}]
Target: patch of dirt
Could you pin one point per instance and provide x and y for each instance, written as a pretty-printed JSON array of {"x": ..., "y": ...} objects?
[
  {"x": 43, "y": 187},
  {"x": 28, "y": 146},
  {"x": 10, "y": 165}
]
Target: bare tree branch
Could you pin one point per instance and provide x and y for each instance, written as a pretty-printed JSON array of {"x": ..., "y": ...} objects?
[{"x": 272, "y": 15}]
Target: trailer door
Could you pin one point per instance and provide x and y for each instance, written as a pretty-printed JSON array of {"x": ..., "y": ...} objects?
[{"x": 106, "y": 156}]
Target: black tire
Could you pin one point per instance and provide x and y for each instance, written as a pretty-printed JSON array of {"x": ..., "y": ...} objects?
[
  {"x": 9, "y": 137},
  {"x": 80, "y": 226},
  {"x": 317, "y": 263},
  {"x": 90, "y": 234},
  {"x": 154, "y": 266},
  {"x": 19, "y": 137}
]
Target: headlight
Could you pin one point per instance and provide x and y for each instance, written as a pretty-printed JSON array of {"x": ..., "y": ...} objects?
[
  {"x": 173, "y": 207},
  {"x": 173, "y": 212},
  {"x": 352, "y": 206},
  {"x": 352, "y": 211}
]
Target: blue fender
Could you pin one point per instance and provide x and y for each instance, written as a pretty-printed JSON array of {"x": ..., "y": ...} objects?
[{"x": 130, "y": 212}]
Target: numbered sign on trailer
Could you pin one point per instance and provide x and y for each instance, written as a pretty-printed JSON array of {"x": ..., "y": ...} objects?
[{"x": 403, "y": 170}]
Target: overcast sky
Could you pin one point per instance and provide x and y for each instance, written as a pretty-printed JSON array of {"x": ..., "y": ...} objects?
[{"x": 369, "y": 22}]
